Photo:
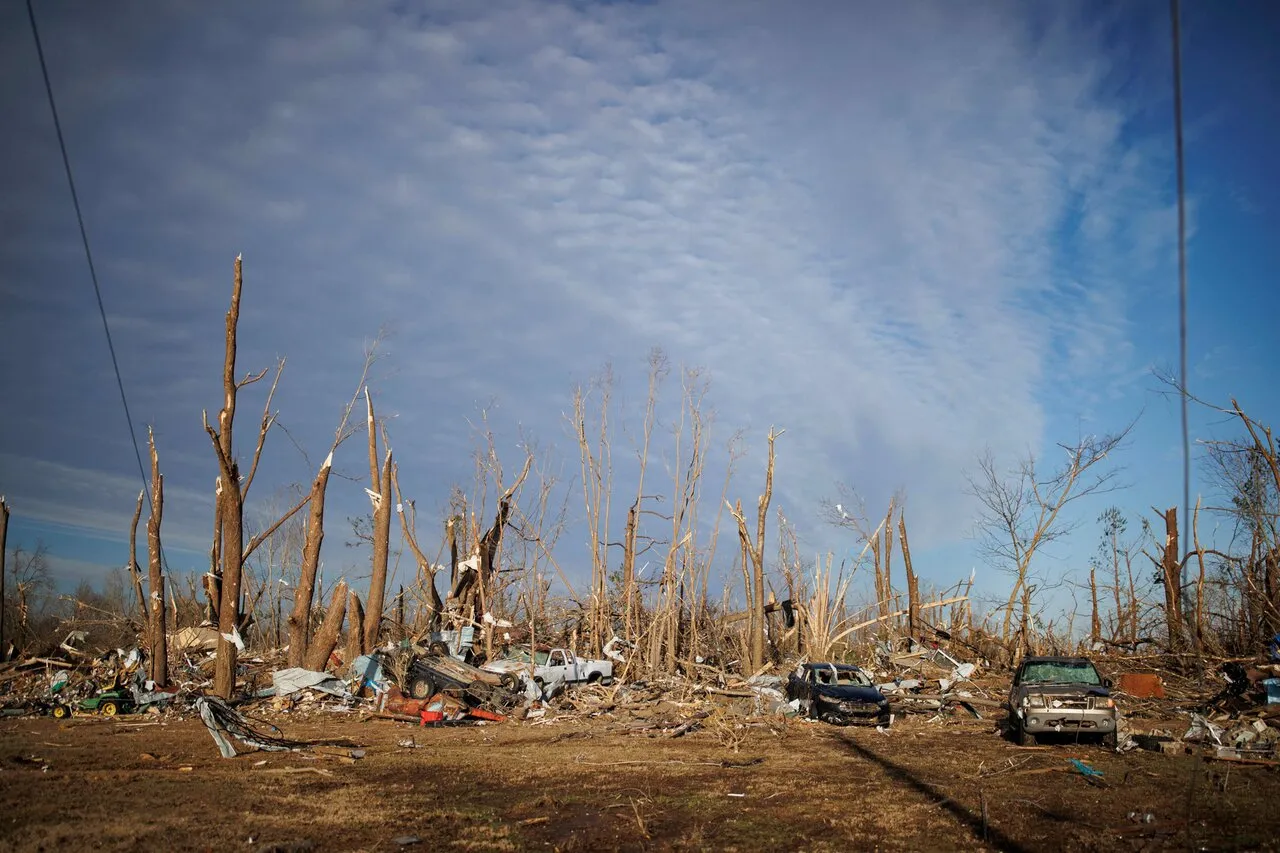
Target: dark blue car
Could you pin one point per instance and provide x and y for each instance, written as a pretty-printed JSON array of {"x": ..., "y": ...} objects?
[{"x": 837, "y": 693}]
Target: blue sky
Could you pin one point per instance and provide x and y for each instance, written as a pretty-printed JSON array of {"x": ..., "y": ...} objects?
[{"x": 902, "y": 233}]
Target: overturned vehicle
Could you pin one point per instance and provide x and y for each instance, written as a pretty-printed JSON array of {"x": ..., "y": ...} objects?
[{"x": 837, "y": 693}]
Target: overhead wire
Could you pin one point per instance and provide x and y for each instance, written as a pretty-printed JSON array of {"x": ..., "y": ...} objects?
[
  {"x": 88, "y": 254},
  {"x": 1176, "y": 13}
]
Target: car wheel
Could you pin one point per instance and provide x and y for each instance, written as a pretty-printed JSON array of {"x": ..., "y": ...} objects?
[
  {"x": 1110, "y": 740},
  {"x": 1022, "y": 737},
  {"x": 479, "y": 692},
  {"x": 509, "y": 682},
  {"x": 438, "y": 648},
  {"x": 421, "y": 687}
]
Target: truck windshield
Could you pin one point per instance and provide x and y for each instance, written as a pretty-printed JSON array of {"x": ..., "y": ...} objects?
[
  {"x": 1060, "y": 672},
  {"x": 522, "y": 655}
]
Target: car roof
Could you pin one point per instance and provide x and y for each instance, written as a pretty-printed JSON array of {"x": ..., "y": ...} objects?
[
  {"x": 825, "y": 665},
  {"x": 1056, "y": 659}
]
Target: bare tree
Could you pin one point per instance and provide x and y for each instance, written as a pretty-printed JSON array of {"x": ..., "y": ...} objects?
[
  {"x": 658, "y": 370},
  {"x": 304, "y": 592},
  {"x": 380, "y": 495},
  {"x": 753, "y": 556},
  {"x": 230, "y": 550},
  {"x": 1021, "y": 512},
  {"x": 158, "y": 645},
  {"x": 326, "y": 639},
  {"x": 597, "y": 494},
  {"x": 426, "y": 569},
  {"x": 913, "y": 587},
  {"x": 30, "y": 598},
  {"x": 135, "y": 571}
]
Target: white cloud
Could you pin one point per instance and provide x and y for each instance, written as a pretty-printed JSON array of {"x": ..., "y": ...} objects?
[{"x": 854, "y": 215}]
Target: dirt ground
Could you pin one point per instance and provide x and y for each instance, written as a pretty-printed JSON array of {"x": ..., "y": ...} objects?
[{"x": 134, "y": 783}]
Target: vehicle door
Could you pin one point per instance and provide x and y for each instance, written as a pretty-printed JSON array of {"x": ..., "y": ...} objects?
[{"x": 557, "y": 667}]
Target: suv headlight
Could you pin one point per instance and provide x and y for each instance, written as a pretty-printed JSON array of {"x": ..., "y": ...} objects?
[{"x": 1034, "y": 701}]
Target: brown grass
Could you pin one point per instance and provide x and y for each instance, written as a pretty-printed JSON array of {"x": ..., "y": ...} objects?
[{"x": 803, "y": 786}]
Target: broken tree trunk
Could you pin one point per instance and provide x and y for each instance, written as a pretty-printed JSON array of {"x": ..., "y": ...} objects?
[
  {"x": 135, "y": 571},
  {"x": 213, "y": 579},
  {"x": 1171, "y": 574},
  {"x": 1095, "y": 620},
  {"x": 326, "y": 638},
  {"x": 158, "y": 642},
  {"x": 380, "y": 496},
  {"x": 229, "y": 550},
  {"x": 913, "y": 588},
  {"x": 755, "y": 551},
  {"x": 355, "y": 628},
  {"x": 887, "y": 599},
  {"x": 230, "y": 517},
  {"x": 300, "y": 618}
]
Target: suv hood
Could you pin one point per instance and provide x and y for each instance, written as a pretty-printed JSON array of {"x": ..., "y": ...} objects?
[{"x": 1064, "y": 689}]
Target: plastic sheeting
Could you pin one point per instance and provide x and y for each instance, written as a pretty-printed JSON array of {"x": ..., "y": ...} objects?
[{"x": 286, "y": 682}]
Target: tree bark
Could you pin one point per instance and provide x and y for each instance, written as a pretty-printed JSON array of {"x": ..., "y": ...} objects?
[
  {"x": 380, "y": 496},
  {"x": 212, "y": 581},
  {"x": 913, "y": 588},
  {"x": 888, "y": 560},
  {"x": 159, "y": 645},
  {"x": 326, "y": 638},
  {"x": 229, "y": 516},
  {"x": 1171, "y": 570},
  {"x": 1095, "y": 619},
  {"x": 135, "y": 571},
  {"x": 355, "y": 628},
  {"x": 300, "y": 618},
  {"x": 755, "y": 550}
]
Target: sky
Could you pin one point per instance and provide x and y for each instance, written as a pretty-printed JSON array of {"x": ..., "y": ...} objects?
[{"x": 903, "y": 232}]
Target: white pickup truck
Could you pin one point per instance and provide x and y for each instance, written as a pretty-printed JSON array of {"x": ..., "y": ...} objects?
[{"x": 546, "y": 667}]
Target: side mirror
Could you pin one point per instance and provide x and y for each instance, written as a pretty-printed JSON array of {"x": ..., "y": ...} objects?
[{"x": 1106, "y": 682}]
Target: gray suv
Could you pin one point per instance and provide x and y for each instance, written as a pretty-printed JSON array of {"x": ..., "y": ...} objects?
[{"x": 1061, "y": 695}]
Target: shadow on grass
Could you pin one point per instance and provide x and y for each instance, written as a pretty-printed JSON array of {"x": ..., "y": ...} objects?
[{"x": 981, "y": 830}]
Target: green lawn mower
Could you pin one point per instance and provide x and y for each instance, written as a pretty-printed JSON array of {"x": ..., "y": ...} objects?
[{"x": 108, "y": 703}]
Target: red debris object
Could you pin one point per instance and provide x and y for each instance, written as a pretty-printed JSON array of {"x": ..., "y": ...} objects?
[
  {"x": 482, "y": 714},
  {"x": 1141, "y": 685}
]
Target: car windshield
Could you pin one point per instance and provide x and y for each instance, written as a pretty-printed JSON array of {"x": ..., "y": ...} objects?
[
  {"x": 1060, "y": 672},
  {"x": 842, "y": 677}
]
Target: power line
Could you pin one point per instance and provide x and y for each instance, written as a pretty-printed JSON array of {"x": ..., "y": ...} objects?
[
  {"x": 1176, "y": 12},
  {"x": 88, "y": 255}
]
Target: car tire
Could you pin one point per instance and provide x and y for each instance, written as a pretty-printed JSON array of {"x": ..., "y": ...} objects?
[
  {"x": 479, "y": 692},
  {"x": 439, "y": 649},
  {"x": 421, "y": 687},
  {"x": 1110, "y": 740},
  {"x": 1022, "y": 737},
  {"x": 509, "y": 682}
]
